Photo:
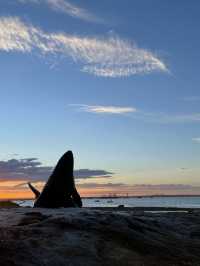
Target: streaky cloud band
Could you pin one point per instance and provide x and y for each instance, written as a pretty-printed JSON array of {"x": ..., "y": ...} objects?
[
  {"x": 135, "y": 113},
  {"x": 196, "y": 140},
  {"x": 66, "y": 7},
  {"x": 103, "y": 109},
  {"x": 103, "y": 57}
]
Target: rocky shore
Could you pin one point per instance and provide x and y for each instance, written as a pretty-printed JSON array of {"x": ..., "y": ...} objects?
[{"x": 87, "y": 236}]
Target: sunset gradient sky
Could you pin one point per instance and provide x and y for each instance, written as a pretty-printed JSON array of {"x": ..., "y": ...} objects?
[{"x": 116, "y": 82}]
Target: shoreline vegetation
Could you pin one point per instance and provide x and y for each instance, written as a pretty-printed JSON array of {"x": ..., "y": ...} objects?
[{"x": 8, "y": 204}]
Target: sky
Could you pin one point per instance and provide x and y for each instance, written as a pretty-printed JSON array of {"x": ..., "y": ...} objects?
[{"x": 116, "y": 82}]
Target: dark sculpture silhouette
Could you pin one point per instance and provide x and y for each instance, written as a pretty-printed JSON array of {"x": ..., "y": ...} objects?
[{"x": 60, "y": 190}]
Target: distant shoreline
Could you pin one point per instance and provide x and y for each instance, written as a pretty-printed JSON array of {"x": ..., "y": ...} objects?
[{"x": 118, "y": 197}]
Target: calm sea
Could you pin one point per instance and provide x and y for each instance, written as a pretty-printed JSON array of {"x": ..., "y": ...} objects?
[{"x": 181, "y": 202}]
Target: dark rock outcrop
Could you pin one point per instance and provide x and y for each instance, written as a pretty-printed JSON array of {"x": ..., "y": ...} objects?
[{"x": 94, "y": 237}]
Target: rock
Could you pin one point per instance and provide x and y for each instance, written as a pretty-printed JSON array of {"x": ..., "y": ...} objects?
[
  {"x": 120, "y": 206},
  {"x": 96, "y": 237}
]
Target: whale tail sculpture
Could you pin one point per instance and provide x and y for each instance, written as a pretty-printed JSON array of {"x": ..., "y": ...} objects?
[
  {"x": 34, "y": 190},
  {"x": 60, "y": 190}
]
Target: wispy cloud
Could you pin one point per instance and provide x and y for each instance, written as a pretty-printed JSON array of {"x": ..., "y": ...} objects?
[
  {"x": 64, "y": 6},
  {"x": 196, "y": 140},
  {"x": 192, "y": 98},
  {"x": 105, "y": 57},
  {"x": 102, "y": 109},
  {"x": 92, "y": 173},
  {"x": 170, "y": 118},
  {"x": 138, "y": 114}
]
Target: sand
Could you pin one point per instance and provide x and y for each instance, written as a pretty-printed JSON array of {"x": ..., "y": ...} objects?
[{"x": 98, "y": 237}]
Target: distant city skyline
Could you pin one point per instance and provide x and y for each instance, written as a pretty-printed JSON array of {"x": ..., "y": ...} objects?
[{"x": 116, "y": 82}]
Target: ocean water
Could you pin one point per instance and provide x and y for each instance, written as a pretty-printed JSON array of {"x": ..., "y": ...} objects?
[{"x": 178, "y": 202}]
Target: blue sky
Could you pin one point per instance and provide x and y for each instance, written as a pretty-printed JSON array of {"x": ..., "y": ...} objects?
[{"x": 115, "y": 81}]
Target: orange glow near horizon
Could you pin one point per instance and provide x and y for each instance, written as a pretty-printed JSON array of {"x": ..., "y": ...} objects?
[
  {"x": 11, "y": 195},
  {"x": 18, "y": 189}
]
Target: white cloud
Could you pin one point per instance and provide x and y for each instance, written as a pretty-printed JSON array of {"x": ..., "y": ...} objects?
[
  {"x": 17, "y": 36},
  {"x": 196, "y": 140},
  {"x": 64, "y": 6},
  {"x": 162, "y": 118},
  {"x": 102, "y": 109},
  {"x": 105, "y": 57},
  {"x": 72, "y": 10},
  {"x": 14, "y": 35}
]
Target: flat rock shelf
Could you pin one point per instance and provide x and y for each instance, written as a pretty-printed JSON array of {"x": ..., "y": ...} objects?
[{"x": 89, "y": 236}]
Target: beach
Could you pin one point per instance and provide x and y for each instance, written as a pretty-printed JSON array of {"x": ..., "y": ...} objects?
[{"x": 99, "y": 236}]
